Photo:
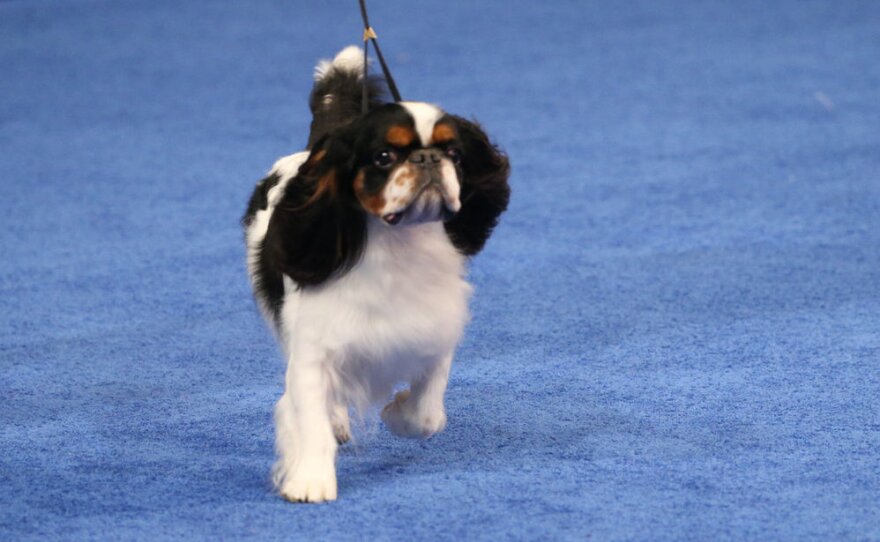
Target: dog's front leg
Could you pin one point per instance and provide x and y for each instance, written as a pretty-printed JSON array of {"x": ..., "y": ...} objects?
[
  {"x": 418, "y": 412},
  {"x": 305, "y": 470}
]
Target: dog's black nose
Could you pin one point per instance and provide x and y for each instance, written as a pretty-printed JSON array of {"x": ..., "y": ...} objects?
[{"x": 426, "y": 157}]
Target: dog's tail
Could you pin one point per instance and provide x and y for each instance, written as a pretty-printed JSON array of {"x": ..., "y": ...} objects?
[{"x": 338, "y": 91}]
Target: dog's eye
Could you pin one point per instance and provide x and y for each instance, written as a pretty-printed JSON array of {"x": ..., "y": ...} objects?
[
  {"x": 385, "y": 158},
  {"x": 454, "y": 155}
]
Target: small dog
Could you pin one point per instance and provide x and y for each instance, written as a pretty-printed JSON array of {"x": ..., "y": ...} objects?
[{"x": 356, "y": 251}]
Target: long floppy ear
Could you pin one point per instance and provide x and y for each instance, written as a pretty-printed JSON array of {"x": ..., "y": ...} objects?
[
  {"x": 316, "y": 231},
  {"x": 484, "y": 189}
]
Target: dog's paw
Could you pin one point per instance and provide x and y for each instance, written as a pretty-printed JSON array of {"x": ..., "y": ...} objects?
[
  {"x": 341, "y": 425},
  {"x": 310, "y": 480},
  {"x": 404, "y": 420},
  {"x": 342, "y": 434}
]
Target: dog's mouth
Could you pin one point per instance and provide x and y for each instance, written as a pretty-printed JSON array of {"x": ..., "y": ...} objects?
[
  {"x": 394, "y": 218},
  {"x": 428, "y": 205}
]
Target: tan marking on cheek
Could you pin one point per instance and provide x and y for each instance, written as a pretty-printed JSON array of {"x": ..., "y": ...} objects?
[
  {"x": 442, "y": 133},
  {"x": 408, "y": 180},
  {"x": 400, "y": 136},
  {"x": 371, "y": 202},
  {"x": 401, "y": 187},
  {"x": 405, "y": 177}
]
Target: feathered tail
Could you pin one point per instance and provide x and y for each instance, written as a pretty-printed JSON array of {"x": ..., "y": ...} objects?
[{"x": 337, "y": 94}]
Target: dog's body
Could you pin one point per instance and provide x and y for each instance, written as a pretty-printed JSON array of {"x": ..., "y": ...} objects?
[{"x": 356, "y": 252}]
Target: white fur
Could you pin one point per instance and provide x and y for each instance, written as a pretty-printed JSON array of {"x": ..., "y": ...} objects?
[
  {"x": 350, "y": 59},
  {"x": 425, "y": 116},
  {"x": 286, "y": 168},
  {"x": 451, "y": 185},
  {"x": 396, "y": 316}
]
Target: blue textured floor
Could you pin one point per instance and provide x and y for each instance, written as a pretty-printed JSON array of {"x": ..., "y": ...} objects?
[{"x": 676, "y": 331}]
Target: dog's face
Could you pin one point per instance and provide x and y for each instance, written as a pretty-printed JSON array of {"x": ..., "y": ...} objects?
[
  {"x": 400, "y": 165},
  {"x": 409, "y": 165}
]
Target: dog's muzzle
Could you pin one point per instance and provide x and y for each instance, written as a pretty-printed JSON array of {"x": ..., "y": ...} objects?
[{"x": 428, "y": 166}]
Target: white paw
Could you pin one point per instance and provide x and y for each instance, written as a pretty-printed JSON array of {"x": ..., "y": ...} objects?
[
  {"x": 404, "y": 420},
  {"x": 310, "y": 480}
]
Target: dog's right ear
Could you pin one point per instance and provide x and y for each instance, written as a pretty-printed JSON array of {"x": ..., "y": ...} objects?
[
  {"x": 316, "y": 231},
  {"x": 484, "y": 188}
]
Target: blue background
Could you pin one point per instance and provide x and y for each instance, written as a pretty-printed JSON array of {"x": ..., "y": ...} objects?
[{"x": 676, "y": 330}]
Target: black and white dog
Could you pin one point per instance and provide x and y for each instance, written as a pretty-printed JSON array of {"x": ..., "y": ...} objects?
[{"x": 357, "y": 254}]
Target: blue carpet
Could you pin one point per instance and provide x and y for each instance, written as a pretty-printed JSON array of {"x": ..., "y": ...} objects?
[{"x": 676, "y": 331}]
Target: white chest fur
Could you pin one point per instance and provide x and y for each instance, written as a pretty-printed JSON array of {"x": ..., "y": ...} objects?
[{"x": 403, "y": 306}]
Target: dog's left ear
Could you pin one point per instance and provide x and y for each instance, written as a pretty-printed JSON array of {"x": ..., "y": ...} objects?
[
  {"x": 484, "y": 189},
  {"x": 316, "y": 231}
]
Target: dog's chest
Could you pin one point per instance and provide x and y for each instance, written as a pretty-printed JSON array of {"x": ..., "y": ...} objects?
[{"x": 406, "y": 298}]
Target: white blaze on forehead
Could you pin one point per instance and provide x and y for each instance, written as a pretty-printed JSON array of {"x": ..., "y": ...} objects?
[{"x": 425, "y": 116}]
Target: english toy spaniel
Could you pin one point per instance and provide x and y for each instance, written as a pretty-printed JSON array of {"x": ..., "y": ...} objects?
[{"x": 356, "y": 251}]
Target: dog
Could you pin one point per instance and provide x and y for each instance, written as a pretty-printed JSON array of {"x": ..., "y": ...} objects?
[{"x": 357, "y": 250}]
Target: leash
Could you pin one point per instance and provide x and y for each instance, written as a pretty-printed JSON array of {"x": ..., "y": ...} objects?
[{"x": 370, "y": 36}]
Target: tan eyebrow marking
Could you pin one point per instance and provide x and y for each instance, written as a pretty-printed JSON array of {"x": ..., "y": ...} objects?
[
  {"x": 400, "y": 135},
  {"x": 442, "y": 133}
]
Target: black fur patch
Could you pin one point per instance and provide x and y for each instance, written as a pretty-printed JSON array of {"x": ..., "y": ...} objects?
[
  {"x": 311, "y": 238},
  {"x": 259, "y": 199},
  {"x": 484, "y": 190},
  {"x": 268, "y": 284},
  {"x": 317, "y": 229}
]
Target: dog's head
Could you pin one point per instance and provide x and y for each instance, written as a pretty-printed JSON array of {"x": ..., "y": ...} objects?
[
  {"x": 409, "y": 165},
  {"x": 400, "y": 165}
]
